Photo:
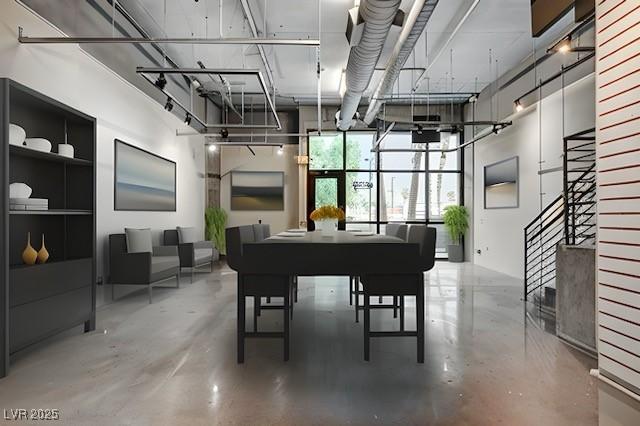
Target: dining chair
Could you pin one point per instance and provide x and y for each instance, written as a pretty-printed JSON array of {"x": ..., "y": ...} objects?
[
  {"x": 256, "y": 286},
  {"x": 401, "y": 285},
  {"x": 397, "y": 230}
]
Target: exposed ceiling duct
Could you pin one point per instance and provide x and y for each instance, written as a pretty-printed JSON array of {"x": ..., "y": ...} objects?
[
  {"x": 377, "y": 17},
  {"x": 411, "y": 32}
]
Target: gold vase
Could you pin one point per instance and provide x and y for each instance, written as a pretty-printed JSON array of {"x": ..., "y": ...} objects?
[
  {"x": 29, "y": 255},
  {"x": 43, "y": 254}
]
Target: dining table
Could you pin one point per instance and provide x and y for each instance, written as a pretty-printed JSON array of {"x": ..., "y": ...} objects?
[{"x": 297, "y": 253}]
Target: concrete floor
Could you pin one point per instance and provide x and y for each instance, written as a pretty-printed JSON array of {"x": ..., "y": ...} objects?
[{"x": 173, "y": 362}]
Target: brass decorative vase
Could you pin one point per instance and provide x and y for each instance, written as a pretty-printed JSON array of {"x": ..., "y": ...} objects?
[
  {"x": 43, "y": 254},
  {"x": 29, "y": 255}
]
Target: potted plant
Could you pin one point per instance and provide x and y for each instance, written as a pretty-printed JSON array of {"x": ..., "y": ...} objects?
[
  {"x": 326, "y": 219},
  {"x": 456, "y": 221},
  {"x": 216, "y": 221}
]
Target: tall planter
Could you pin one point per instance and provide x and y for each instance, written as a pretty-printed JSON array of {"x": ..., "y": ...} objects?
[{"x": 456, "y": 221}]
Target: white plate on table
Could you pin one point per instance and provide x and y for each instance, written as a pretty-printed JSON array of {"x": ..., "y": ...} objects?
[
  {"x": 299, "y": 231},
  {"x": 363, "y": 234},
  {"x": 291, "y": 234}
]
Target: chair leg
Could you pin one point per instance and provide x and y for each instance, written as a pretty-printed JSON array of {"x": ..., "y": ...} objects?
[
  {"x": 291, "y": 296},
  {"x": 178, "y": 280},
  {"x": 150, "y": 295},
  {"x": 380, "y": 299},
  {"x": 192, "y": 275},
  {"x": 286, "y": 323},
  {"x": 268, "y": 299},
  {"x": 113, "y": 292},
  {"x": 256, "y": 312},
  {"x": 350, "y": 291},
  {"x": 395, "y": 306},
  {"x": 367, "y": 324},
  {"x": 240, "y": 319},
  {"x": 401, "y": 313},
  {"x": 420, "y": 318},
  {"x": 357, "y": 298}
]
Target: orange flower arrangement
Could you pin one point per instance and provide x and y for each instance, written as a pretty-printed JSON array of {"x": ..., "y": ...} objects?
[{"x": 327, "y": 212}]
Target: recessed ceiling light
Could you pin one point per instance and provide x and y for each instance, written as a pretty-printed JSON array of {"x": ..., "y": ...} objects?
[{"x": 212, "y": 148}]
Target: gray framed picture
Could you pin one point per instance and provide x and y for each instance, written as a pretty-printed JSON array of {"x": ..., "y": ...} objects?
[
  {"x": 257, "y": 190},
  {"x": 143, "y": 181},
  {"x": 501, "y": 185}
]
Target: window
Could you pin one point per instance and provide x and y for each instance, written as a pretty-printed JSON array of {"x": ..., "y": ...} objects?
[
  {"x": 411, "y": 187},
  {"x": 443, "y": 192},
  {"x": 359, "y": 155},
  {"x": 361, "y": 196},
  {"x": 402, "y": 197},
  {"x": 325, "y": 152},
  {"x": 401, "y": 160}
]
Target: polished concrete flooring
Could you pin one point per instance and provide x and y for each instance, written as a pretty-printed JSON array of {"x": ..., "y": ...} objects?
[{"x": 173, "y": 362}]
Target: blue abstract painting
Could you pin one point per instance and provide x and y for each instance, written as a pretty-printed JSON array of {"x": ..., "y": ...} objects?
[{"x": 143, "y": 180}]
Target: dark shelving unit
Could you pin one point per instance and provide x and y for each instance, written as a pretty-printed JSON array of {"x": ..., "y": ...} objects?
[{"x": 41, "y": 300}]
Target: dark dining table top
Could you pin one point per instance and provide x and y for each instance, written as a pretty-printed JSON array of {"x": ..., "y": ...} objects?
[{"x": 346, "y": 253}]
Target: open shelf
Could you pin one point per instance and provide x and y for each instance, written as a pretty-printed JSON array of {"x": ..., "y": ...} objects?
[
  {"x": 45, "y": 299},
  {"x": 51, "y": 156},
  {"x": 52, "y": 212}
]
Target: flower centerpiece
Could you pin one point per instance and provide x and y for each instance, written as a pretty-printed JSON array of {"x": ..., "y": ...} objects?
[{"x": 326, "y": 219}]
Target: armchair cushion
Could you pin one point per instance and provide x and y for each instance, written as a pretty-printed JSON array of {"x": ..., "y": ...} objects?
[
  {"x": 187, "y": 235},
  {"x": 138, "y": 240},
  {"x": 165, "y": 251},
  {"x": 203, "y": 255}
]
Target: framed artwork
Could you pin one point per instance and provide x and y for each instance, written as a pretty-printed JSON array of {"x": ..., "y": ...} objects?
[{"x": 143, "y": 181}]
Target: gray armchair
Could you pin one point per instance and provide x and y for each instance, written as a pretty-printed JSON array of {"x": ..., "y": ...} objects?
[
  {"x": 143, "y": 268},
  {"x": 193, "y": 255}
]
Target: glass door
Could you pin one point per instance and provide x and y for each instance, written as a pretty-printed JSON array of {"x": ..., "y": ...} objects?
[{"x": 325, "y": 188}]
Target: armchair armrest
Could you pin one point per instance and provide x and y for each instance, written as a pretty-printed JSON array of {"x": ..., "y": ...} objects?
[
  {"x": 203, "y": 245},
  {"x": 165, "y": 251},
  {"x": 130, "y": 268}
]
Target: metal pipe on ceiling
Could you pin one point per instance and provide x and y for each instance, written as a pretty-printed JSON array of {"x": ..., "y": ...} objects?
[
  {"x": 378, "y": 17},
  {"x": 257, "y": 73},
  {"x": 417, "y": 20},
  {"x": 483, "y": 134},
  {"x": 141, "y": 40},
  {"x": 246, "y": 9},
  {"x": 433, "y": 60}
]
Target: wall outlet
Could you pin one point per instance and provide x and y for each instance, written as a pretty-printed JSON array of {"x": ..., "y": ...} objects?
[{"x": 479, "y": 251}]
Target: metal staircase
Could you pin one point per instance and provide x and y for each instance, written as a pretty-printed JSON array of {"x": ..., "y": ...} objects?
[{"x": 569, "y": 219}]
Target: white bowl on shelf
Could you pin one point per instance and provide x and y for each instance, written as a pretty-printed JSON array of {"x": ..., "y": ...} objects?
[
  {"x": 17, "y": 135},
  {"x": 19, "y": 190},
  {"x": 66, "y": 150},
  {"x": 39, "y": 144}
]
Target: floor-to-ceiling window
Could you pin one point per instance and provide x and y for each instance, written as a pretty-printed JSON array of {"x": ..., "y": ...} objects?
[{"x": 408, "y": 186}]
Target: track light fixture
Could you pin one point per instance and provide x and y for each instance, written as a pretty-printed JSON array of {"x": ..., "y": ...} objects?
[
  {"x": 187, "y": 119},
  {"x": 280, "y": 150},
  {"x": 518, "y": 106},
  {"x": 212, "y": 148},
  {"x": 169, "y": 105},
  {"x": 161, "y": 82}
]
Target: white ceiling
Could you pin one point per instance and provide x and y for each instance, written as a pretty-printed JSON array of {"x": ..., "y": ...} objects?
[{"x": 499, "y": 26}]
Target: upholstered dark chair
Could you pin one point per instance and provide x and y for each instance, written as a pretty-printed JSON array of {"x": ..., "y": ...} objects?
[
  {"x": 142, "y": 268},
  {"x": 399, "y": 285},
  {"x": 256, "y": 286},
  {"x": 193, "y": 254},
  {"x": 393, "y": 230}
]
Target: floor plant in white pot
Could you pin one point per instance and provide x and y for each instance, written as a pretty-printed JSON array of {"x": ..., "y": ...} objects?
[{"x": 456, "y": 221}]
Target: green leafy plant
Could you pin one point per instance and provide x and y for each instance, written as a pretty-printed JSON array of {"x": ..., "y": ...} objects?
[
  {"x": 456, "y": 221},
  {"x": 216, "y": 221}
]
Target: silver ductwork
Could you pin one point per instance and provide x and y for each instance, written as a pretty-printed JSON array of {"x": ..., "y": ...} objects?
[
  {"x": 377, "y": 16},
  {"x": 411, "y": 32}
]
